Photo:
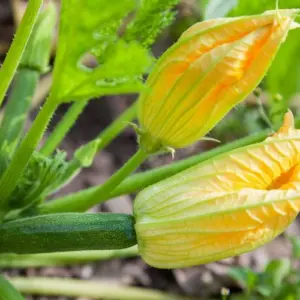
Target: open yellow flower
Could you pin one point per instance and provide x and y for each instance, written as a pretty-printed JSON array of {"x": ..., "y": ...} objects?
[
  {"x": 214, "y": 65},
  {"x": 222, "y": 207}
]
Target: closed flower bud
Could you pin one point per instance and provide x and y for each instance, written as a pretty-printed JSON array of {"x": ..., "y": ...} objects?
[
  {"x": 223, "y": 207},
  {"x": 214, "y": 65}
]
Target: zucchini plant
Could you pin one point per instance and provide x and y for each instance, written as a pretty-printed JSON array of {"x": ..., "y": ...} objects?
[{"x": 104, "y": 49}]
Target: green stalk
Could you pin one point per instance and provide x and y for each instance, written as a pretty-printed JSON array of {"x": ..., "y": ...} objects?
[
  {"x": 16, "y": 50},
  {"x": 63, "y": 258},
  {"x": 23, "y": 154},
  {"x": 117, "y": 126},
  {"x": 91, "y": 289},
  {"x": 139, "y": 181},
  {"x": 24, "y": 86},
  {"x": 81, "y": 204},
  {"x": 63, "y": 127},
  {"x": 8, "y": 291},
  {"x": 34, "y": 61}
]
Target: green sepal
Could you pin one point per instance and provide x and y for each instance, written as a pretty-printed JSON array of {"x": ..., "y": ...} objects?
[{"x": 86, "y": 153}]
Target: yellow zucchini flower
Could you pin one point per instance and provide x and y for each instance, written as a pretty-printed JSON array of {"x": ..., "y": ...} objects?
[
  {"x": 214, "y": 65},
  {"x": 223, "y": 207}
]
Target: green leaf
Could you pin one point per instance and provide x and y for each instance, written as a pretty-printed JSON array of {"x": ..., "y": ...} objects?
[
  {"x": 245, "y": 276},
  {"x": 40, "y": 176},
  {"x": 246, "y": 7},
  {"x": 275, "y": 273},
  {"x": 284, "y": 75},
  {"x": 16, "y": 110},
  {"x": 151, "y": 18},
  {"x": 295, "y": 241},
  {"x": 218, "y": 8},
  {"x": 83, "y": 158},
  {"x": 8, "y": 291},
  {"x": 264, "y": 290},
  {"x": 89, "y": 31},
  {"x": 289, "y": 291}
]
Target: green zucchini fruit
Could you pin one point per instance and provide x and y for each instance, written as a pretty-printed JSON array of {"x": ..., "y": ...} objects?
[{"x": 67, "y": 232}]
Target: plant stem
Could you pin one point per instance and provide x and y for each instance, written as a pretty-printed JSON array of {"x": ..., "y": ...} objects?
[
  {"x": 101, "y": 192},
  {"x": 18, "y": 45},
  {"x": 23, "y": 154},
  {"x": 104, "y": 137},
  {"x": 8, "y": 291},
  {"x": 90, "y": 289},
  {"x": 117, "y": 126},
  {"x": 63, "y": 258},
  {"x": 63, "y": 127},
  {"x": 24, "y": 86},
  {"x": 139, "y": 181}
]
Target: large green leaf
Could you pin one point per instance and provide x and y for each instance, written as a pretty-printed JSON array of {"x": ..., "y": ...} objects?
[
  {"x": 90, "y": 28},
  {"x": 151, "y": 17}
]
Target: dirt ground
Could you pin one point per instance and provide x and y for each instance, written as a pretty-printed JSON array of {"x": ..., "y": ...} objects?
[{"x": 203, "y": 281}]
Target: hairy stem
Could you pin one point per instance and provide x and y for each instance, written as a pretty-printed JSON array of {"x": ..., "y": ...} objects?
[{"x": 63, "y": 127}]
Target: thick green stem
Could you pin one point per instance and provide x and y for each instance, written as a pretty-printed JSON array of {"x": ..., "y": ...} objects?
[
  {"x": 63, "y": 258},
  {"x": 139, "y": 181},
  {"x": 91, "y": 289},
  {"x": 67, "y": 204},
  {"x": 18, "y": 45},
  {"x": 63, "y": 127},
  {"x": 23, "y": 154},
  {"x": 117, "y": 126},
  {"x": 8, "y": 291}
]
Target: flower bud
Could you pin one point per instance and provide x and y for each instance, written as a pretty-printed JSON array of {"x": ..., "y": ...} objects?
[
  {"x": 214, "y": 65},
  {"x": 223, "y": 207}
]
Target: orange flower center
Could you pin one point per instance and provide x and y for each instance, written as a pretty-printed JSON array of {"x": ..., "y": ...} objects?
[{"x": 285, "y": 180}]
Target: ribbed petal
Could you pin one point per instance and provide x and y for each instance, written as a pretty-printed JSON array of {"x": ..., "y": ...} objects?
[
  {"x": 213, "y": 66},
  {"x": 224, "y": 206}
]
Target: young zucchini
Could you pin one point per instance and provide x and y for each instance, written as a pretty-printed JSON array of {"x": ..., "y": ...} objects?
[{"x": 67, "y": 232}]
